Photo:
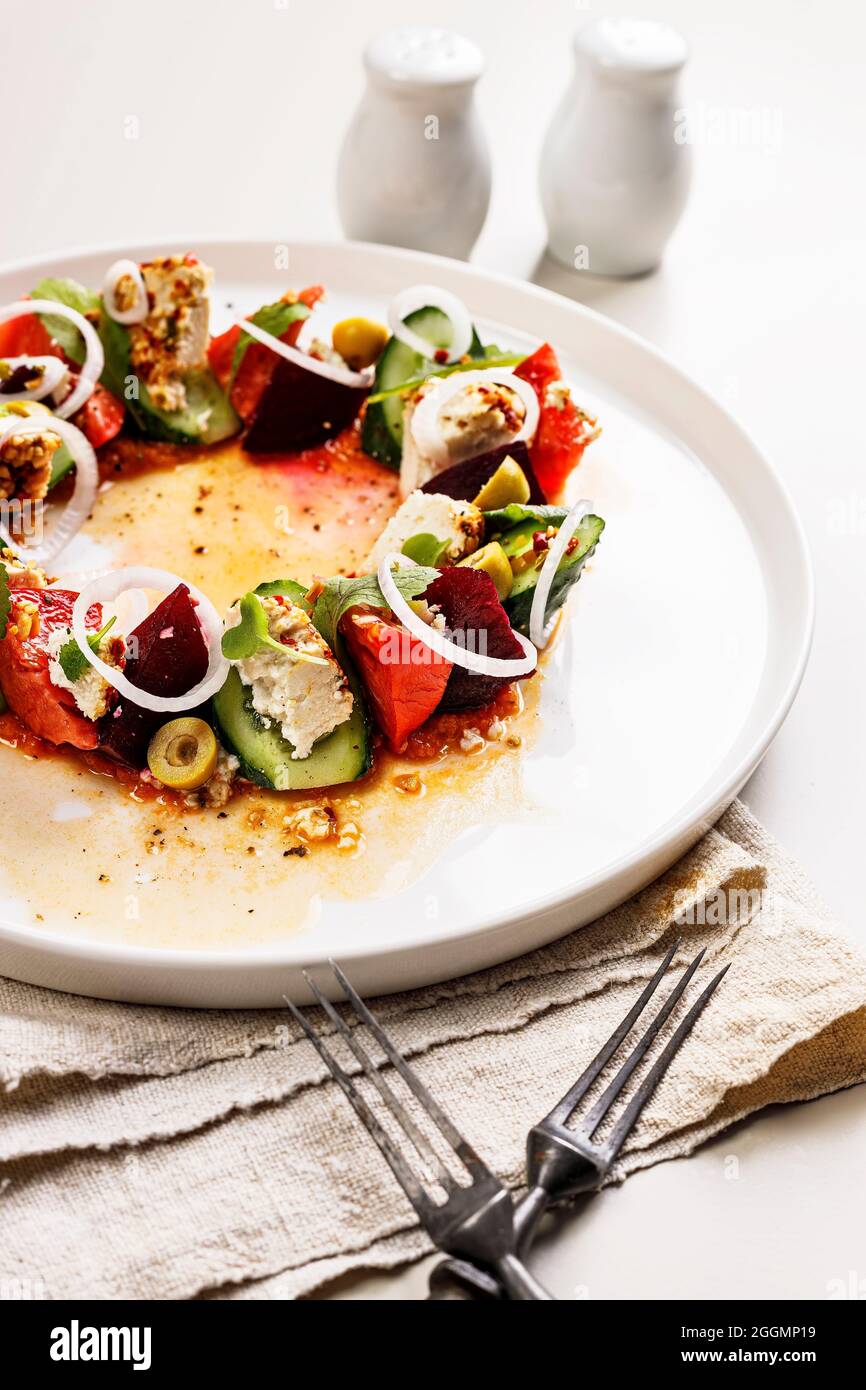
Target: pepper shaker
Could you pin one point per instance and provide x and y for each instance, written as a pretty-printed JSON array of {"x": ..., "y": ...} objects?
[
  {"x": 614, "y": 175},
  {"x": 414, "y": 169}
]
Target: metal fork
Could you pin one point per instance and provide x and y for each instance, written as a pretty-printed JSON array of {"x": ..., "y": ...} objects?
[
  {"x": 563, "y": 1162},
  {"x": 476, "y": 1221}
]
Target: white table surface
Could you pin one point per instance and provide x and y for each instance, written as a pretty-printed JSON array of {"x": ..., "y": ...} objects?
[{"x": 241, "y": 107}]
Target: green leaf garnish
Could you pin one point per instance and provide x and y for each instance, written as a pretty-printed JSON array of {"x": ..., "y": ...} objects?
[
  {"x": 74, "y": 296},
  {"x": 72, "y": 659},
  {"x": 341, "y": 594},
  {"x": 425, "y": 549},
  {"x": 492, "y": 358},
  {"x": 5, "y": 599},
  {"x": 252, "y": 632},
  {"x": 274, "y": 319}
]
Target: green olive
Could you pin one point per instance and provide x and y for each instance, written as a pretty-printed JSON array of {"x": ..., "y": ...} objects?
[
  {"x": 508, "y": 484},
  {"x": 359, "y": 341},
  {"x": 183, "y": 753},
  {"x": 492, "y": 559}
]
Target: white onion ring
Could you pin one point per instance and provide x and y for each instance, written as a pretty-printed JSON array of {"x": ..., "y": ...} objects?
[
  {"x": 431, "y": 297},
  {"x": 91, "y": 369},
  {"x": 140, "y": 309},
  {"x": 107, "y": 588},
  {"x": 80, "y": 504},
  {"x": 54, "y": 373},
  {"x": 342, "y": 375},
  {"x": 537, "y": 628},
  {"x": 479, "y": 665},
  {"x": 425, "y": 417}
]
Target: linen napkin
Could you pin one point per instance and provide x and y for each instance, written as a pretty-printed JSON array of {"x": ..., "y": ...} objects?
[{"x": 169, "y": 1153}]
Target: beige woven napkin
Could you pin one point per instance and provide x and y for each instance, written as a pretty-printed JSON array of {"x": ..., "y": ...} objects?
[{"x": 166, "y": 1153}]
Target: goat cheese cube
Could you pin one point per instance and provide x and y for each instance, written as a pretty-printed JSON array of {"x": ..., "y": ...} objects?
[
  {"x": 431, "y": 513},
  {"x": 307, "y": 699},
  {"x": 173, "y": 339},
  {"x": 91, "y": 689},
  {"x": 480, "y": 417}
]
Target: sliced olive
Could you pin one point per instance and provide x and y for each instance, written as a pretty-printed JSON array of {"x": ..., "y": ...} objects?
[
  {"x": 359, "y": 341},
  {"x": 183, "y": 753},
  {"x": 508, "y": 484},
  {"x": 492, "y": 559}
]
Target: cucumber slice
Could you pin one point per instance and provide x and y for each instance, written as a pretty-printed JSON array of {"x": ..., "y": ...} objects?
[
  {"x": 266, "y": 757},
  {"x": 209, "y": 415},
  {"x": 382, "y": 432},
  {"x": 519, "y": 601}
]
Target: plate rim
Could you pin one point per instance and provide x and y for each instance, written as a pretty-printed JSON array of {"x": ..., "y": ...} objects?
[{"x": 677, "y": 829}]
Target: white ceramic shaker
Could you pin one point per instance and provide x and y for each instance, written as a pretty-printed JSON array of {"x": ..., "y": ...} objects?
[
  {"x": 615, "y": 170},
  {"x": 414, "y": 169}
]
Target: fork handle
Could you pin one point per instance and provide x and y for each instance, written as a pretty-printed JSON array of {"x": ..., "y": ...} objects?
[
  {"x": 519, "y": 1283},
  {"x": 460, "y": 1282}
]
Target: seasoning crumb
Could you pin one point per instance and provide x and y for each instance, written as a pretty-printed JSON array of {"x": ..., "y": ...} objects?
[
  {"x": 103, "y": 878},
  {"x": 409, "y": 783},
  {"x": 299, "y": 850}
]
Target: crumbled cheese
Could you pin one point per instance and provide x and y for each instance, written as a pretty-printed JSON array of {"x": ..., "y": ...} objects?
[
  {"x": 480, "y": 417},
  {"x": 91, "y": 689},
  {"x": 311, "y": 824},
  {"x": 472, "y": 741},
  {"x": 326, "y": 352},
  {"x": 308, "y": 700},
  {"x": 218, "y": 789},
  {"x": 557, "y": 394},
  {"x": 431, "y": 513}
]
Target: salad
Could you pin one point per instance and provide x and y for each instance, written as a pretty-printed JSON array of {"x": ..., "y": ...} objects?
[{"x": 306, "y": 681}]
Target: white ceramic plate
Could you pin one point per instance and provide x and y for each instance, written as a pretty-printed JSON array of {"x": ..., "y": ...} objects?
[{"x": 684, "y": 649}]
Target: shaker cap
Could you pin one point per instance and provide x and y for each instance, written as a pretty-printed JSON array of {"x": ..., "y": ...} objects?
[
  {"x": 632, "y": 45},
  {"x": 425, "y": 57}
]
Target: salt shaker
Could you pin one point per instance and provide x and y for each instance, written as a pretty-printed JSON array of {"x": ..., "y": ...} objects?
[
  {"x": 614, "y": 172},
  {"x": 414, "y": 169}
]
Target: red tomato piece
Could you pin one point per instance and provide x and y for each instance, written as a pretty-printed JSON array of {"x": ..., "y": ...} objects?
[
  {"x": 27, "y": 337},
  {"x": 561, "y": 436},
  {"x": 51, "y": 713},
  {"x": 404, "y": 679},
  {"x": 101, "y": 417}
]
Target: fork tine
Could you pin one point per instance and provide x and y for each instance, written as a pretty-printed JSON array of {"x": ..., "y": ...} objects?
[
  {"x": 603, "y": 1104},
  {"x": 629, "y": 1117},
  {"x": 563, "y": 1108},
  {"x": 399, "y": 1167},
  {"x": 398, "y": 1110},
  {"x": 464, "y": 1150}
]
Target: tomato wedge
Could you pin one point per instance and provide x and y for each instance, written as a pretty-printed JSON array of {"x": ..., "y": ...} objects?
[
  {"x": 562, "y": 433},
  {"x": 404, "y": 679},
  {"x": 48, "y": 711}
]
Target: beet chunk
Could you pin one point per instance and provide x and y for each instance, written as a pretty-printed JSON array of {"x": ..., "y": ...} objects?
[
  {"x": 168, "y": 655},
  {"x": 470, "y": 603},
  {"x": 300, "y": 409},
  {"x": 463, "y": 481}
]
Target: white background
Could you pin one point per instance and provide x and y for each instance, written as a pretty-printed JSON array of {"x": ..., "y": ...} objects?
[{"x": 241, "y": 105}]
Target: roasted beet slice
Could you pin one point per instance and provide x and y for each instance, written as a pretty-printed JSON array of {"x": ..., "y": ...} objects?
[
  {"x": 300, "y": 409},
  {"x": 465, "y": 480},
  {"x": 469, "y": 600},
  {"x": 167, "y": 655}
]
